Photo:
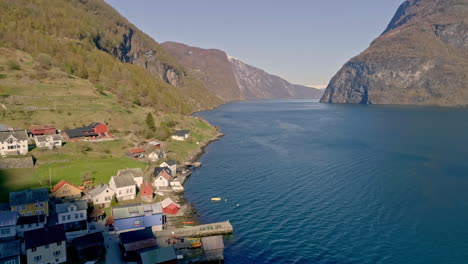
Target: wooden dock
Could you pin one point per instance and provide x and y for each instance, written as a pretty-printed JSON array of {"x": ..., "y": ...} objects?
[{"x": 221, "y": 228}]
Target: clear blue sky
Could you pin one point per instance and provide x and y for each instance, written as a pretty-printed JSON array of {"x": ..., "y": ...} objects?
[{"x": 303, "y": 41}]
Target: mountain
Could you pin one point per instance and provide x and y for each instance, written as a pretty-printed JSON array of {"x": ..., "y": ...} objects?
[
  {"x": 209, "y": 65},
  {"x": 255, "y": 83},
  {"x": 234, "y": 80},
  {"x": 88, "y": 39},
  {"x": 420, "y": 59}
]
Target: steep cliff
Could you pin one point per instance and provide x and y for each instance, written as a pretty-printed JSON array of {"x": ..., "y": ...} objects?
[
  {"x": 420, "y": 59},
  {"x": 211, "y": 66},
  {"x": 234, "y": 80}
]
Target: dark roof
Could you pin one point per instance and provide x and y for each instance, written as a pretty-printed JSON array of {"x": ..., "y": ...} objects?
[
  {"x": 159, "y": 255},
  {"x": 212, "y": 243},
  {"x": 29, "y": 196},
  {"x": 80, "y": 132},
  {"x": 79, "y": 205},
  {"x": 18, "y": 134},
  {"x": 171, "y": 162},
  {"x": 123, "y": 180},
  {"x": 9, "y": 249},
  {"x": 134, "y": 236},
  {"x": 181, "y": 132},
  {"x": 89, "y": 240},
  {"x": 8, "y": 218},
  {"x": 32, "y": 219},
  {"x": 86, "y": 131},
  {"x": 158, "y": 170},
  {"x": 44, "y": 236},
  {"x": 94, "y": 124}
]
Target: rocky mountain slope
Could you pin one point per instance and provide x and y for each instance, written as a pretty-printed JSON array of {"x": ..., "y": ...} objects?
[
  {"x": 90, "y": 40},
  {"x": 209, "y": 65},
  {"x": 255, "y": 83},
  {"x": 234, "y": 80},
  {"x": 420, "y": 59}
]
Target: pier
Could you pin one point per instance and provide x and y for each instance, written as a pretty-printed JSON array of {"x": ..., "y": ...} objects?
[{"x": 221, "y": 228}]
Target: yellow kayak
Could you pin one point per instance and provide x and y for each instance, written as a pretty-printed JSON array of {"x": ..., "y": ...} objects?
[{"x": 216, "y": 199}]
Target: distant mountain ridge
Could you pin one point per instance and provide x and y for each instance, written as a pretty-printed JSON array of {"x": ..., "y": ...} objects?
[
  {"x": 234, "y": 80},
  {"x": 421, "y": 58}
]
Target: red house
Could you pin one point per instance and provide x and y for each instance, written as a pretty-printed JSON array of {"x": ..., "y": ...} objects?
[
  {"x": 146, "y": 190},
  {"x": 43, "y": 130}
]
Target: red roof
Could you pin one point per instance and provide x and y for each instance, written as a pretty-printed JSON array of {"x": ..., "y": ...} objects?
[
  {"x": 146, "y": 189},
  {"x": 171, "y": 209},
  {"x": 137, "y": 150},
  {"x": 62, "y": 183},
  {"x": 166, "y": 175}
]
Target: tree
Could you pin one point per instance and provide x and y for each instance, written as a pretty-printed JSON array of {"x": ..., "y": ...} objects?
[{"x": 150, "y": 122}]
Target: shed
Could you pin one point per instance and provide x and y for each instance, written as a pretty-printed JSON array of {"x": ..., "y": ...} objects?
[
  {"x": 171, "y": 209},
  {"x": 213, "y": 247},
  {"x": 147, "y": 191},
  {"x": 133, "y": 241},
  {"x": 163, "y": 255},
  {"x": 137, "y": 153},
  {"x": 89, "y": 246}
]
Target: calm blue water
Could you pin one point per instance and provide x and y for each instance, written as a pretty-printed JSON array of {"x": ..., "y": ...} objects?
[{"x": 320, "y": 183}]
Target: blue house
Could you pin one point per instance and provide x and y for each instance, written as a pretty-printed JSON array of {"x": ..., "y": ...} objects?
[{"x": 138, "y": 216}]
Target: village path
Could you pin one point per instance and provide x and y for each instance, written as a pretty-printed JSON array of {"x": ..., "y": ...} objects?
[{"x": 111, "y": 242}]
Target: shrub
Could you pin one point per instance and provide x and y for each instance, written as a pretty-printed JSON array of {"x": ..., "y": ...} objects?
[{"x": 13, "y": 65}]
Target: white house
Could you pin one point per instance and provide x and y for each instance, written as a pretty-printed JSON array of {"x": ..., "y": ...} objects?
[
  {"x": 155, "y": 155},
  {"x": 161, "y": 177},
  {"x": 46, "y": 245},
  {"x": 8, "y": 222},
  {"x": 176, "y": 185},
  {"x": 172, "y": 165},
  {"x": 101, "y": 195},
  {"x": 135, "y": 173},
  {"x": 180, "y": 135},
  {"x": 74, "y": 217},
  {"x": 13, "y": 142},
  {"x": 123, "y": 186},
  {"x": 48, "y": 141}
]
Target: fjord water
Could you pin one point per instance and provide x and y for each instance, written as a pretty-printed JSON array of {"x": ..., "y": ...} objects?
[{"x": 318, "y": 183}]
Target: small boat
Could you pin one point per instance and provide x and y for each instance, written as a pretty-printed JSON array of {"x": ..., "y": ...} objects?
[
  {"x": 187, "y": 222},
  {"x": 216, "y": 199}
]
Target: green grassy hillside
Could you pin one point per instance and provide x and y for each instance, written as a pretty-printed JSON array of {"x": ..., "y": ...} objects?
[{"x": 88, "y": 39}]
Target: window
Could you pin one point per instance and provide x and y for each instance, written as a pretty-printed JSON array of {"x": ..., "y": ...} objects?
[
  {"x": 56, "y": 253},
  {"x": 29, "y": 213},
  {"x": 68, "y": 217},
  {"x": 46, "y": 246},
  {"x": 97, "y": 200},
  {"x": 10, "y": 261},
  {"x": 120, "y": 192},
  {"x": 59, "y": 243},
  {"x": 40, "y": 212},
  {"x": 63, "y": 218},
  {"x": 29, "y": 225},
  {"x": 33, "y": 249},
  {"x": 5, "y": 231},
  {"x": 81, "y": 215},
  {"x": 137, "y": 223},
  {"x": 72, "y": 209},
  {"x": 76, "y": 216},
  {"x": 37, "y": 258}
]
